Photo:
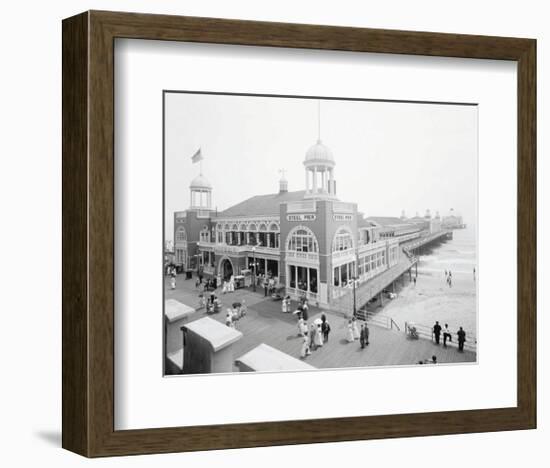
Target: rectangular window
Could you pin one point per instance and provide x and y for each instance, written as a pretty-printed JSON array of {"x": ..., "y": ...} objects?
[
  {"x": 313, "y": 280},
  {"x": 292, "y": 275}
]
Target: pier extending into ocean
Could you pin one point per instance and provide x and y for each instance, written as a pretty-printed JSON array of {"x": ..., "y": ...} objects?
[{"x": 359, "y": 294}]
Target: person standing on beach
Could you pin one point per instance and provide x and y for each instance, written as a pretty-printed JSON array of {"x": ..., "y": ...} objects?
[
  {"x": 414, "y": 280},
  {"x": 437, "y": 332},
  {"x": 461, "y": 334}
]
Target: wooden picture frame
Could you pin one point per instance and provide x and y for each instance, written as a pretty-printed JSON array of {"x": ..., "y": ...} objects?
[{"x": 88, "y": 233}]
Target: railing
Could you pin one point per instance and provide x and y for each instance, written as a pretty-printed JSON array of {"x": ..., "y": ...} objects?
[
  {"x": 204, "y": 213},
  {"x": 265, "y": 250},
  {"x": 306, "y": 257},
  {"x": 297, "y": 293},
  {"x": 348, "y": 253},
  {"x": 378, "y": 320},
  {"x": 206, "y": 244},
  {"x": 426, "y": 332}
]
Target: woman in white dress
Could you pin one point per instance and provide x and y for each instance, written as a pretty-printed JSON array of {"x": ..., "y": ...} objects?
[
  {"x": 305, "y": 347},
  {"x": 229, "y": 319},
  {"x": 355, "y": 328},
  {"x": 349, "y": 334},
  {"x": 173, "y": 282},
  {"x": 318, "y": 336},
  {"x": 283, "y": 306},
  {"x": 301, "y": 327}
]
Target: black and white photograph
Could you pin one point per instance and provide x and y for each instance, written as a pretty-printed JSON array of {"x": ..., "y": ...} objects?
[{"x": 305, "y": 233}]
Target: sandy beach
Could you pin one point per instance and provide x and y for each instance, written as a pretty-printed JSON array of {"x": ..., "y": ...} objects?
[{"x": 432, "y": 299}]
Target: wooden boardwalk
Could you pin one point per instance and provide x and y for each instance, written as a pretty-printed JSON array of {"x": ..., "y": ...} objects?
[{"x": 265, "y": 323}]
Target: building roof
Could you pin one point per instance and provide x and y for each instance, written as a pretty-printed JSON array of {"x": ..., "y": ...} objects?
[
  {"x": 175, "y": 310},
  {"x": 387, "y": 220},
  {"x": 218, "y": 334},
  {"x": 262, "y": 204},
  {"x": 264, "y": 358}
]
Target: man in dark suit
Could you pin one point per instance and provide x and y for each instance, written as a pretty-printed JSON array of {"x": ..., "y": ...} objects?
[
  {"x": 437, "y": 332},
  {"x": 461, "y": 334}
]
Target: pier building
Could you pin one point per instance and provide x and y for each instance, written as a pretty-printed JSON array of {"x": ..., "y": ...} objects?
[{"x": 308, "y": 241}]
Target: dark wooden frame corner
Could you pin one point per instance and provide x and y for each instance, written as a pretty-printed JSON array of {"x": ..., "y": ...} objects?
[{"x": 88, "y": 221}]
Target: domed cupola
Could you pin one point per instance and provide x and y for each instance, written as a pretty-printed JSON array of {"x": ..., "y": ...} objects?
[
  {"x": 319, "y": 165},
  {"x": 200, "y": 182},
  {"x": 319, "y": 154}
]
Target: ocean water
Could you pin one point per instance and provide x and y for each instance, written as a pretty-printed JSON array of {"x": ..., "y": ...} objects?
[
  {"x": 457, "y": 255},
  {"x": 431, "y": 298}
]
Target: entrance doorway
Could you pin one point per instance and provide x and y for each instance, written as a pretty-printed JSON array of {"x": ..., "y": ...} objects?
[{"x": 226, "y": 269}]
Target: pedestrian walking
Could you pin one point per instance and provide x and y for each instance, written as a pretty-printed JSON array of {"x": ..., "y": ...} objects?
[
  {"x": 362, "y": 336},
  {"x": 266, "y": 285},
  {"x": 414, "y": 280},
  {"x": 461, "y": 334},
  {"x": 349, "y": 335},
  {"x": 306, "y": 351},
  {"x": 325, "y": 328},
  {"x": 305, "y": 314},
  {"x": 173, "y": 282},
  {"x": 301, "y": 330},
  {"x": 312, "y": 332},
  {"x": 355, "y": 328},
  {"x": 367, "y": 334},
  {"x": 318, "y": 339},
  {"x": 437, "y": 332},
  {"x": 229, "y": 319},
  {"x": 446, "y": 335}
]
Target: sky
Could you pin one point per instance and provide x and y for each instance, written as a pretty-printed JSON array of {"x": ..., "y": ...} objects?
[{"x": 390, "y": 156}]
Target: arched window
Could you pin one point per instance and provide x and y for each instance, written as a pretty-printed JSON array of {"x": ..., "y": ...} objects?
[
  {"x": 263, "y": 227},
  {"x": 302, "y": 239},
  {"x": 242, "y": 227},
  {"x": 252, "y": 227},
  {"x": 181, "y": 235},
  {"x": 273, "y": 227},
  {"x": 343, "y": 240},
  {"x": 205, "y": 234}
]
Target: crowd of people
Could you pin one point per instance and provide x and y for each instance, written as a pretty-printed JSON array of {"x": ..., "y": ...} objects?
[{"x": 314, "y": 335}]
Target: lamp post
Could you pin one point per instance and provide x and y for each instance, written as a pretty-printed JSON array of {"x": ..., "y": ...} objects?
[
  {"x": 354, "y": 279},
  {"x": 254, "y": 271}
]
